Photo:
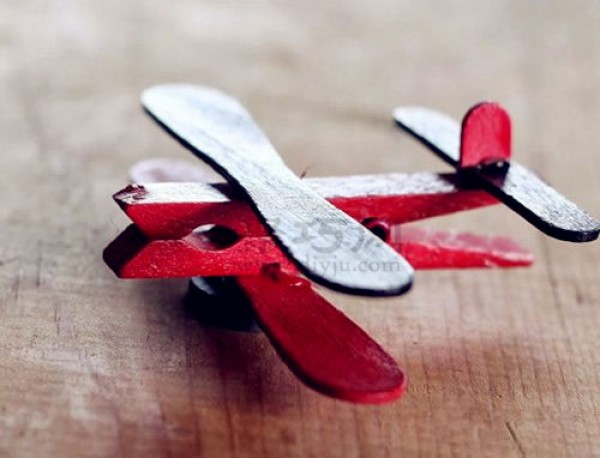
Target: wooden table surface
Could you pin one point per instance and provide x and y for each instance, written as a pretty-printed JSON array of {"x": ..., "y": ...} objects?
[{"x": 501, "y": 363}]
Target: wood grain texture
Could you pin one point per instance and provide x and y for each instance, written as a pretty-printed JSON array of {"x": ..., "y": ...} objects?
[
  {"x": 174, "y": 209},
  {"x": 499, "y": 363},
  {"x": 217, "y": 129}
]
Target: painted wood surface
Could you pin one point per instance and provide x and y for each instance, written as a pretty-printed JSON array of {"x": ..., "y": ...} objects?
[
  {"x": 501, "y": 363},
  {"x": 318, "y": 343},
  {"x": 485, "y": 136},
  {"x": 484, "y": 147},
  {"x": 216, "y": 128},
  {"x": 324, "y": 348},
  {"x": 184, "y": 229}
]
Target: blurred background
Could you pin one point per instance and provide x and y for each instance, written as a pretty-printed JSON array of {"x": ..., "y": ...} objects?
[{"x": 322, "y": 79}]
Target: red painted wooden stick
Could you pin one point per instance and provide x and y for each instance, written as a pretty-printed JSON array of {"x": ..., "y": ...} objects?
[
  {"x": 133, "y": 255},
  {"x": 485, "y": 135},
  {"x": 321, "y": 346},
  {"x": 165, "y": 214},
  {"x": 172, "y": 210}
]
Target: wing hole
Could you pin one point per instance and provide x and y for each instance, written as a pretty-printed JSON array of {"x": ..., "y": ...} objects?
[
  {"x": 211, "y": 237},
  {"x": 378, "y": 227}
]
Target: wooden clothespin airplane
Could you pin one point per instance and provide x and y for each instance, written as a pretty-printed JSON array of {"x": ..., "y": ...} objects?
[{"x": 250, "y": 239}]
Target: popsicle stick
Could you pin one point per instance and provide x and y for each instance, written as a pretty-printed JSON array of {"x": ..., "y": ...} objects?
[
  {"x": 517, "y": 187},
  {"x": 219, "y": 130},
  {"x": 320, "y": 345}
]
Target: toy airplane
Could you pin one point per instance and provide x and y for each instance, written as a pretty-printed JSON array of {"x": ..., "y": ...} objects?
[{"x": 249, "y": 240}]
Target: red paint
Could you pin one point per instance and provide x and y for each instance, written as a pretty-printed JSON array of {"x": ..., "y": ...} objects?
[
  {"x": 485, "y": 135},
  {"x": 433, "y": 249},
  {"x": 162, "y": 243},
  {"x": 133, "y": 255},
  {"x": 173, "y": 210},
  {"x": 322, "y": 347}
]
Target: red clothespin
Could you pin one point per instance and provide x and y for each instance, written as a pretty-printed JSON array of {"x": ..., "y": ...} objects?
[{"x": 210, "y": 230}]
